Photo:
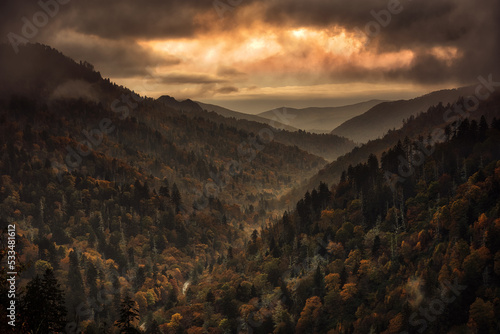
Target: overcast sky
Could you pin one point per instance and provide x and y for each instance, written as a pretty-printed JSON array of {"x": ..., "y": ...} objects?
[{"x": 254, "y": 55}]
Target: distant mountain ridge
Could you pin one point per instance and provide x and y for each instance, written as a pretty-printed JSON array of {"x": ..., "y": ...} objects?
[
  {"x": 324, "y": 145},
  {"x": 385, "y": 116},
  {"x": 322, "y": 119},
  {"x": 239, "y": 115}
]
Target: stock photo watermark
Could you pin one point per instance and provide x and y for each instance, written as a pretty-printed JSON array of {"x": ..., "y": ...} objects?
[
  {"x": 383, "y": 19},
  {"x": 11, "y": 274},
  {"x": 436, "y": 307},
  {"x": 31, "y": 28}
]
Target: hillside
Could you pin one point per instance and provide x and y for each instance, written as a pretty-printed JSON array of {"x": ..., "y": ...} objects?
[
  {"x": 386, "y": 116},
  {"x": 365, "y": 257},
  {"x": 109, "y": 186},
  {"x": 150, "y": 135},
  {"x": 327, "y": 146},
  {"x": 422, "y": 125},
  {"x": 321, "y": 120}
]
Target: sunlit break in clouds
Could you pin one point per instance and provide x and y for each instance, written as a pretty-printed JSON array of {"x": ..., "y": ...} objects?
[{"x": 284, "y": 52}]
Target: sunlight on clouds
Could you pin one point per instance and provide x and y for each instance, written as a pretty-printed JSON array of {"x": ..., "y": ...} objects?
[
  {"x": 269, "y": 51},
  {"x": 299, "y": 33},
  {"x": 259, "y": 47},
  {"x": 335, "y": 41},
  {"x": 209, "y": 52},
  {"x": 388, "y": 60},
  {"x": 448, "y": 54},
  {"x": 280, "y": 62}
]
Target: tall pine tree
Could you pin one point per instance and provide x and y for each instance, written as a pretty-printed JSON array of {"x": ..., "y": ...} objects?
[
  {"x": 43, "y": 305},
  {"x": 128, "y": 314}
]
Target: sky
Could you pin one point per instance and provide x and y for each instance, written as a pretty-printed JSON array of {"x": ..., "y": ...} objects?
[{"x": 256, "y": 55}]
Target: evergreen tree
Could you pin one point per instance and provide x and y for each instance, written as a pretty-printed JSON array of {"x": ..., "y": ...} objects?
[
  {"x": 116, "y": 296},
  {"x": 128, "y": 314},
  {"x": 43, "y": 305},
  {"x": 75, "y": 285},
  {"x": 92, "y": 278},
  {"x": 140, "y": 278},
  {"x": 165, "y": 189},
  {"x": 210, "y": 298},
  {"x": 75, "y": 281},
  {"x": 176, "y": 198},
  {"x": 376, "y": 245},
  {"x": 319, "y": 282},
  {"x": 483, "y": 128}
]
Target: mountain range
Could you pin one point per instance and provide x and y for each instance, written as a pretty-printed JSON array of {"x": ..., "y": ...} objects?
[
  {"x": 322, "y": 120},
  {"x": 239, "y": 115}
]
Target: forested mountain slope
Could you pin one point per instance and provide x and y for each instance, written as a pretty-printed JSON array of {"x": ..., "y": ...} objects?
[
  {"x": 239, "y": 115},
  {"x": 277, "y": 128},
  {"x": 368, "y": 256},
  {"x": 111, "y": 191},
  {"x": 422, "y": 125},
  {"x": 390, "y": 115},
  {"x": 145, "y": 136}
]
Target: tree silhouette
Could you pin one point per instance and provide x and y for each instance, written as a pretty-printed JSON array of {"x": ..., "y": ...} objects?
[
  {"x": 43, "y": 305},
  {"x": 128, "y": 314},
  {"x": 165, "y": 189},
  {"x": 176, "y": 198},
  {"x": 75, "y": 286}
]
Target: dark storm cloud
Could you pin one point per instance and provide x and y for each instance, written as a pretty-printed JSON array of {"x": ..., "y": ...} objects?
[
  {"x": 11, "y": 13},
  {"x": 101, "y": 32},
  {"x": 419, "y": 22},
  {"x": 116, "y": 19},
  {"x": 470, "y": 27},
  {"x": 145, "y": 19}
]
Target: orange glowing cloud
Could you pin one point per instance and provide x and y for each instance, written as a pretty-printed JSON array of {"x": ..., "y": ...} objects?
[{"x": 267, "y": 56}]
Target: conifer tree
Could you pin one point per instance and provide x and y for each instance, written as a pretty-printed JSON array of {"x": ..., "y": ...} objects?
[
  {"x": 43, "y": 305},
  {"x": 176, "y": 198},
  {"x": 128, "y": 314},
  {"x": 75, "y": 285}
]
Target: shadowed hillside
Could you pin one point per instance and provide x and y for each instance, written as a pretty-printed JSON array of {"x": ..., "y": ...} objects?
[{"x": 390, "y": 115}]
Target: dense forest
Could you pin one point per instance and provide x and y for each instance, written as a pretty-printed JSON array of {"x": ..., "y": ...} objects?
[{"x": 168, "y": 221}]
